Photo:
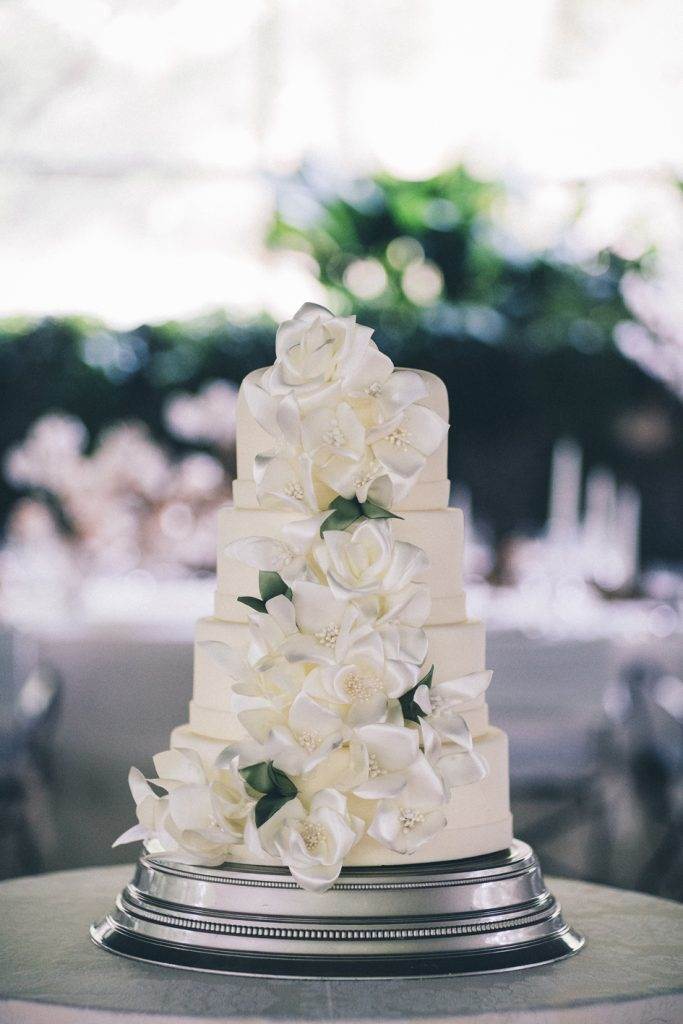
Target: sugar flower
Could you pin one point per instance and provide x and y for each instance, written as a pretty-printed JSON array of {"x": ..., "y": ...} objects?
[
  {"x": 406, "y": 821},
  {"x": 311, "y": 843},
  {"x": 201, "y": 816}
]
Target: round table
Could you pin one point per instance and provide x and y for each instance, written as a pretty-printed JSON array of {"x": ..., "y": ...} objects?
[{"x": 631, "y": 970}]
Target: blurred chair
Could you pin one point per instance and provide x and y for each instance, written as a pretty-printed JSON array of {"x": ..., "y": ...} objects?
[
  {"x": 645, "y": 709},
  {"x": 29, "y": 712},
  {"x": 617, "y": 818}
]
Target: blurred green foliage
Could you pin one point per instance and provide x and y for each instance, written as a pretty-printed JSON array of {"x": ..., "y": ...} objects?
[
  {"x": 491, "y": 291},
  {"x": 524, "y": 344}
]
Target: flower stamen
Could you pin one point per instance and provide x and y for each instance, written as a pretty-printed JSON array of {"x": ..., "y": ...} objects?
[
  {"x": 294, "y": 490},
  {"x": 327, "y": 637},
  {"x": 334, "y": 436},
  {"x": 312, "y": 835},
  {"x": 409, "y": 818},
  {"x": 309, "y": 740},
  {"x": 399, "y": 437},
  {"x": 368, "y": 476},
  {"x": 362, "y": 687}
]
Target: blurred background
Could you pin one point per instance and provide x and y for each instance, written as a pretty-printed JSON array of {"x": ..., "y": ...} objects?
[{"x": 496, "y": 189}]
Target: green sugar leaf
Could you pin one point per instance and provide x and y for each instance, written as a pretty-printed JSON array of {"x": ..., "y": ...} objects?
[
  {"x": 271, "y": 584},
  {"x": 412, "y": 712},
  {"x": 345, "y": 511},
  {"x": 258, "y": 776},
  {"x": 268, "y": 806},
  {"x": 253, "y": 602},
  {"x": 282, "y": 783},
  {"x": 427, "y": 678},
  {"x": 265, "y": 778},
  {"x": 373, "y": 511}
]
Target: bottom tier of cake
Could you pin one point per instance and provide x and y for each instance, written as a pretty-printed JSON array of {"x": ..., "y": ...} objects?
[{"x": 478, "y": 816}]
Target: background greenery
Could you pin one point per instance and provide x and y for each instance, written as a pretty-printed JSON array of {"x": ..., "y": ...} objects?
[{"x": 524, "y": 344}]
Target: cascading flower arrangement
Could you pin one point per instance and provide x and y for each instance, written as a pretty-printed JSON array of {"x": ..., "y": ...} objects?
[{"x": 347, "y": 732}]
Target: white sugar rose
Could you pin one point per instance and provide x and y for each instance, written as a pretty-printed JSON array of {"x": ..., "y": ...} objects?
[
  {"x": 312, "y": 844},
  {"x": 201, "y": 817},
  {"x": 404, "y": 822},
  {"x": 366, "y": 560},
  {"x": 318, "y": 357}
]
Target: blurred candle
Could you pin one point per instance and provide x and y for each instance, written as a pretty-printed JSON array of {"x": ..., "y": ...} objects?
[
  {"x": 565, "y": 491},
  {"x": 628, "y": 531}
]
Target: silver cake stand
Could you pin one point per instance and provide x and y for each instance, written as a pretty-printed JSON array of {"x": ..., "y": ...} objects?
[{"x": 491, "y": 913}]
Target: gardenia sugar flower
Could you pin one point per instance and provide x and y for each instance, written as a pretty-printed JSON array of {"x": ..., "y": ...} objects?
[
  {"x": 446, "y": 738},
  {"x": 333, "y": 437},
  {"x": 285, "y": 480},
  {"x": 402, "y": 445},
  {"x": 363, "y": 681},
  {"x": 405, "y": 821},
  {"x": 286, "y": 554},
  {"x": 313, "y": 843},
  {"x": 384, "y": 755},
  {"x": 201, "y": 816},
  {"x": 299, "y": 739}
]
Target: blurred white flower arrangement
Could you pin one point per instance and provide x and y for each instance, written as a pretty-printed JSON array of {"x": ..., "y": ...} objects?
[{"x": 127, "y": 504}]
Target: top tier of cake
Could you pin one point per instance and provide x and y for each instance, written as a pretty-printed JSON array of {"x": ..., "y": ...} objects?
[{"x": 431, "y": 491}]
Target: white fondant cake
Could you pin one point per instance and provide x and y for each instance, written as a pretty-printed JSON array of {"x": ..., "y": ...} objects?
[{"x": 338, "y": 713}]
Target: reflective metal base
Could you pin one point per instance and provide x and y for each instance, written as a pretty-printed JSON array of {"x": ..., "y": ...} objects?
[{"x": 489, "y": 913}]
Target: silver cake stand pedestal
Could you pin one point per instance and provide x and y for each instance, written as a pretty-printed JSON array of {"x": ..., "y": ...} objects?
[{"x": 491, "y": 913}]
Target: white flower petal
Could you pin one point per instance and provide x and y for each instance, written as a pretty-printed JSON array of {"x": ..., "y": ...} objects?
[
  {"x": 374, "y": 369},
  {"x": 139, "y": 787},
  {"x": 258, "y": 552},
  {"x": 183, "y": 765},
  {"x": 132, "y": 835},
  {"x": 229, "y": 659},
  {"x": 407, "y": 563},
  {"x": 289, "y": 420},
  {"x": 394, "y": 749},
  {"x": 464, "y": 688},
  {"x": 262, "y": 406},
  {"x": 281, "y": 610},
  {"x": 316, "y": 607},
  {"x": 462, "y": 768},
  {"x": 425, "y": 428},
  {"x": 307, "y": 715},
  {"x": 403, "y": 388},
  {"x": 453, "y": 727},
  {"x": 315, "y": 877},
  {"x": 403, "y": 462}
]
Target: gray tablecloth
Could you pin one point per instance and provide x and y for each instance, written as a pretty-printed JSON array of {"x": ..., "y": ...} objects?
[{"x": 630, "y": 971}]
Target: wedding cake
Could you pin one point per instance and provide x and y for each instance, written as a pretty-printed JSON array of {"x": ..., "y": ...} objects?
[{"x": 338, "y": 716}]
